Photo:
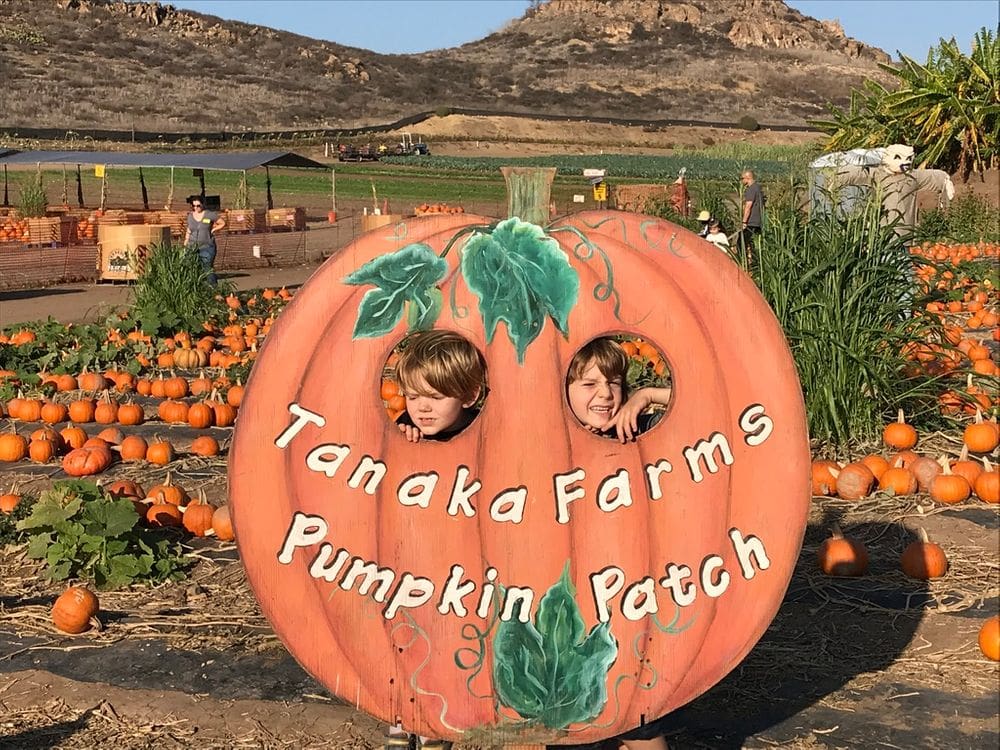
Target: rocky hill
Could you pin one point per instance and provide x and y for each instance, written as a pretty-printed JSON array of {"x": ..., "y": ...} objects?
[{"x": 113, "y": 64}]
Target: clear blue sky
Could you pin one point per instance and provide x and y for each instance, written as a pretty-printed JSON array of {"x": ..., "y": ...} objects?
[{"x": 401, "y": 26}]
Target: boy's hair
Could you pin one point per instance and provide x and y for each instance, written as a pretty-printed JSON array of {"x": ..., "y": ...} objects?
[
  {"x": 611, "y": 360},
  {"x": 449, "y": 363}
]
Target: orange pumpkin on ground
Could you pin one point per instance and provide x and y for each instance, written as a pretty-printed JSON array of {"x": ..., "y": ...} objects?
[
  {"x": 989, "y": 638},
  {"x": 83, "y": 462},
  {"x": 899, "y": 434},
  {"x": 75, "y": 609},
  {"x": 923, "y": 559},
  {"x": 839, "y": 556},
  {"x": 728, "y": 361}
]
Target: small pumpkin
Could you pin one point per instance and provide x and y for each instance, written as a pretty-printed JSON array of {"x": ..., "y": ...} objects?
[
  {"x": 175, "y": 387},
  {"x": 75, "y": 609},
  {"x": 160, "y": 452},
  {"x": 222, "y": 524},
  {"x": 53, "y": 412},
  {"x": 82, "y": 410},
  {"x": 989, "y": 638},
  {"x": 106, "y": 411},
  {"x": 980, "y": 436},
  {"x": 125, "y": 488},
  {"x": 949, "y": 488},
  {"x": 234, "y": 396},
  {"x": 840, "y": 556},
  {"x": 133, "y": 448},
  {"x": 111, "y": 435},
  {"x": 987, "y": 485},
  {"x": 168, "y": 492},
  {"x": 967, "y": 468},
  {"x": 131, "y": 414},
  {"x": 877, "y": 464},
  {"x": 164, "y": 514},
  {"x": 923, "y": 559},
  {"x": 899, "y": 480},
  {"x": 30, "y": 410},
  {"x": 73, "y": 436},
  {"x": 824, "y": 477},
  {"x": 198, "y": 516},
  {"x": 925, "y": 469},
  {"x": 10, "y": 501},
  {"x": 854, "y": 481},
  {"x": 899, "y": 434},
  {"x": 87, "y": 461},
  {"x": 200, "y": 416},
  {"x": 92, "y": 381},
  {"x": 205, "y": 445},
  {"x": 41, "y": 451},
  {"x": 13, "y": 447},
  {"x": 173, "y": 412}
]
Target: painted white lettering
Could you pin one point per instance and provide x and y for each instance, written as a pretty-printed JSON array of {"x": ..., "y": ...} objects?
[
  {"x": 705, "y": 450},
  {"x": 486, "y": 595},
  {"x": 606, "y": 585},
  {"x": 639, "y": 599},
  {"x": 370, "y": 573},
  {"x": 756, "y": 424},
  {"x": 367, "y": 466},
  {"x": 302, "y": 418},
  {"x": 717, "y": 587},
  {"x": 417, "y": 489},
  {"x": 614, "y": 492},
  {"x": 455, "y": 589},
  {"x": 305, "y": 531},
  {"x": 410, "y": 592},
  {"x": 509, "y": 505},
  {"x": 319, "y": 458},
  {"x": 322, "y": 567},
  {"x": 462, "y": 493},
  {"x": 683, "y": 593},
  {"x": 565, "y": 494},
  {"x": 514, "y": 596},
  {"x": 747, "y": 548},
  {"x": 653, "y": 474}
]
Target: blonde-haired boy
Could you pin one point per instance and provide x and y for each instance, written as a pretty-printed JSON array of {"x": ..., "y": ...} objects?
[{"x": 442, "y": 376}]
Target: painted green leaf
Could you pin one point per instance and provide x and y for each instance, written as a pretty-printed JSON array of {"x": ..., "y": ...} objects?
[
  {"x": 548, "y": 671},
  {"x": 520, "y": 275},
  {"x": 409, "y": 275}
]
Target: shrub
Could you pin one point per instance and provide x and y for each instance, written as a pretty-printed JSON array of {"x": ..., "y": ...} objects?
[
  {"x": 843, "y": 288},
  {"x": 32, "y": 201},
  {"x": 748, "y": 123},
  {"x": 173, "y": 292},
  {"x": 969, "y": 218}
]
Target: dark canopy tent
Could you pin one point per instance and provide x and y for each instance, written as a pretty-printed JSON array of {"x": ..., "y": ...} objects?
[{"x": 219, "y": 160}]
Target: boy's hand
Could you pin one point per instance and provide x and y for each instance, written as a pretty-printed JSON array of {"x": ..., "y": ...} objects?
[
  {"x": 626, "y": 421},
  {"x": 410, "y": 432}
]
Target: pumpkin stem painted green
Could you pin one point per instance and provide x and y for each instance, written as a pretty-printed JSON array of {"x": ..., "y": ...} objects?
[{"x": 529, "y": 190}]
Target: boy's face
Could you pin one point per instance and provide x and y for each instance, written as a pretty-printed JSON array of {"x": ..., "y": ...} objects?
[
  {"x": 432, "y": 412},
  {"x": 594, "y": 399}
]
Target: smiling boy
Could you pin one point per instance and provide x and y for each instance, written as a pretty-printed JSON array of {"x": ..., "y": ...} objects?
[
  {"x": 598, "y": 394},
  {"x": 442, "y": 376}
]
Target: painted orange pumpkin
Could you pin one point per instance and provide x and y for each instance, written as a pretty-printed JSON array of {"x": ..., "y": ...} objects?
[{"x": 535, "y": 530}]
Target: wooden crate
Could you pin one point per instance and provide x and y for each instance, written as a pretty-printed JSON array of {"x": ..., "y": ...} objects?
[
  {"x": 373, "y": 221},
  {"x": 245, "y": 220},
  {"x": 176, "y": 220},
  {"x": 52, "y": 230},
  {"x": 286, "y": 219},
  {"x": 122, "y": 247}
]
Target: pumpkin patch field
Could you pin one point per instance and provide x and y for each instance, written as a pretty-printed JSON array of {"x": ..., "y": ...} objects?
[{"x": 127, "y": 619}]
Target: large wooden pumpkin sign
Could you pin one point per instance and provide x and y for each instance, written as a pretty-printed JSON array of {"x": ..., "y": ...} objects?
[{"x": 527, "y": 581}]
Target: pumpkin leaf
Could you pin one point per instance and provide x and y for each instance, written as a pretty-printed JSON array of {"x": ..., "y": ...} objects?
[
  {"x": 548, "y": 670},
  {"x": 520, "y": 275},
  {"x": 409, "y": 275}
]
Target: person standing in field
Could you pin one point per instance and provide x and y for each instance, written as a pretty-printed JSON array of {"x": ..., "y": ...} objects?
[
  {"x": 202, "y": 225},
  {"x": 753, "y": 210}
]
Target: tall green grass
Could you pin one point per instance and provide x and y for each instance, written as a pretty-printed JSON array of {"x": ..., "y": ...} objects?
[
  {"x": 173, "y": 292},
  {"x": 843, "y": 289}
]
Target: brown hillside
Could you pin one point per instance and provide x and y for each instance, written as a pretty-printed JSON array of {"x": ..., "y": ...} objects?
[{"x": 111, "y": 64}]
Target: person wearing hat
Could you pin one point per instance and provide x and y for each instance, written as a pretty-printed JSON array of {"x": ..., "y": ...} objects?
[{"x": 706, "y": 219}]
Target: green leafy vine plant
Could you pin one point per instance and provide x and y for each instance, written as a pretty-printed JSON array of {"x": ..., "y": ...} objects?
[{"x": 82, "y": 532}]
